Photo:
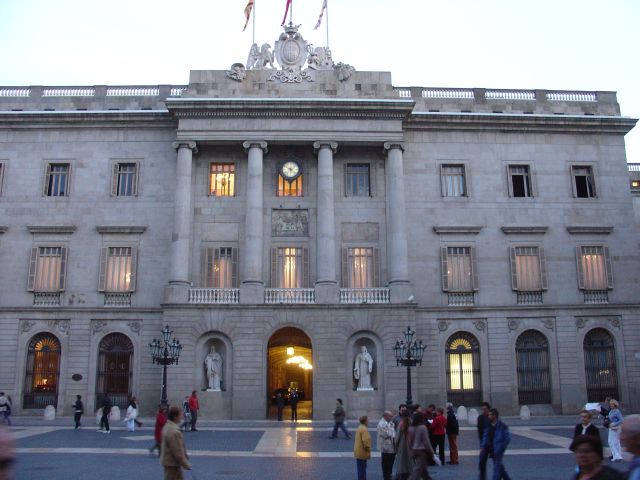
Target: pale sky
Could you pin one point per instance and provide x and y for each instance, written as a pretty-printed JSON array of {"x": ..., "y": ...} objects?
[{"x": 520, "y": 44}]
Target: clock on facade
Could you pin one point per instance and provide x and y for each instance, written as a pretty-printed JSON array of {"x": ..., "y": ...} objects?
[{"x": 290, "y": 170}]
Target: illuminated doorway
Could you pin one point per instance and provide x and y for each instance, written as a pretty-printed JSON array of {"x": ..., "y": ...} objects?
[
  {"x": 463, "y": 370},
  {"x": 290, "y": 366},
  {"x": 42, "y": 374}
]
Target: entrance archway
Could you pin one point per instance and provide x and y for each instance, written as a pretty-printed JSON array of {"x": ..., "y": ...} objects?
[{"x": 290, "y": 366}]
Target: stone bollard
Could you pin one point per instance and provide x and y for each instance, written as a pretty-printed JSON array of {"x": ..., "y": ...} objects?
[
  {"x": 115, "y": 414},
  {"x": 462, "y": 413},
  {"x": 473, "y": 417},
  {"x": 525, "y": 413},
  {"x": 49, "y": 412}
]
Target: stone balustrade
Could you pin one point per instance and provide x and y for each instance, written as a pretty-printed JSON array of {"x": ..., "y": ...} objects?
[
  {"x": 209, "y": 296},
  {"x": 365, "y": 295},
  {"x": 289, "y": 295}
]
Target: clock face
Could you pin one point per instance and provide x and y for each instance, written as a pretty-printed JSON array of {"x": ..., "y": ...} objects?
[{"x": 290, "y": 170}]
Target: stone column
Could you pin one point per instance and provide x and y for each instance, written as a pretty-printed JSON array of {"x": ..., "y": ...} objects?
[
  {"x": 252, "y": 287},
  {"x": 178, "y": 289},
  {"x": 397, "y": 251},
  {"x": 326, "y": 287}
]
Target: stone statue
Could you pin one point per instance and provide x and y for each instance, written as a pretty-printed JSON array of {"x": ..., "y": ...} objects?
[
  {"x": 343, "y": 71},
  {"x": 320, "y": 59},
  {"x": 363, "y": 366},
  {"x": 262, "y": 59},
  {"x": 237, "y": 72},
  {"x": 213, "y": 363}
]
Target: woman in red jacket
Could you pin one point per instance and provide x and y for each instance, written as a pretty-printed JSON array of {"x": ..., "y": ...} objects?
[
  {"x": 437, "y": 431},
  {"x": 161, "y": 419}
]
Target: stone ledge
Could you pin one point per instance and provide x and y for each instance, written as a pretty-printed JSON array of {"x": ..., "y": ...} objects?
[
  {"x": 574, "y": 229},
  {"x": 132, "y": 229},
  {"x": 473, "y": 230},
  {"x": 52, "y": 229}
]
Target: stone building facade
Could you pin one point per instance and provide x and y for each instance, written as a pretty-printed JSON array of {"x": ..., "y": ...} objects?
[{"x": 321, "y": 211}]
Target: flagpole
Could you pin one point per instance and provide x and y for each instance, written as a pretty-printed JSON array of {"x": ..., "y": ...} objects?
[
  {"x": 291, "y": 13},
  {"x": 327, "y": 13},
  {"x": 254, "y": 23}
]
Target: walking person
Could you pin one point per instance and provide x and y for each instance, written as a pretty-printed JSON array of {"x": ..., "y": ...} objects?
[
  {"x": 186, "y": 412},
  {"x": 135, "y": 404},
  {"x": 615, "y": 420},
  {"x": 106, "y": 411},
  {"x": 438, "y": 432},
  {"x": 420, "y": 447},
  {"x": 453, "y": 429},
  {"x": 132, "y": 414},
  {"x": 362, "y": 448},
  {"x": 194, "y": 406},
  {"x": 293, "y": 401},
  {"x": 482, "y": 425},
  {"x": 386, "y": 438},
  {"x": 589, "y": 454},
  {"x": 630, "y": 439},
  {"x": 585, "y": 427},
  {"x": 5, "y": 408},
  {"x": 161, "y": 419},
  {"x": 279, "y": 405},
  {"x": 7, "y": 454},
  {"x": 403, "y": 463},
  {"x": 495, "y": 440},
  {"x": 78, "y": 410},
  {"x": 338, "y": 420},
  {"x": 173, "y": 455}
]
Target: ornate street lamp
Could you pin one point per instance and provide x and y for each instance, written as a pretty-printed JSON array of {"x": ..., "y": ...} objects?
[
  {"x": 409, "y": 353},
  {"x": 165, "y": 352}
]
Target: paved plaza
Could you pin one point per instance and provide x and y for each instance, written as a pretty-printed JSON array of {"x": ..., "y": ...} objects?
[{"x": 264, "y": 450}]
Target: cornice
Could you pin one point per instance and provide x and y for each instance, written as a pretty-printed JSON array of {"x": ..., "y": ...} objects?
[
  {"x": 589, "y": 229},
  {"x": 472, "y": 230},
  {"x": 524, "y": 229},
  {"x": 88, "y": 118},
  {"x": 130, "y": 229},
  {"x": 52, "y": 229}
]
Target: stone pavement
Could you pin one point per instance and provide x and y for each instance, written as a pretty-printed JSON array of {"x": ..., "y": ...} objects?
[{"x": 265, "y": 450}]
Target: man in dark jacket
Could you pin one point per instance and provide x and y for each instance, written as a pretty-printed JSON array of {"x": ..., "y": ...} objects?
[
  {"x": 106, "y": 411},
  {"x": 585, "y": 427},
  {"x": 78, "y": 410},
  {"x": 338, "y": 420},
  {"x": 453, "y": 428},
  {"x": 293, "y": 401},
  {"x": 494, "y": 443},
  {"x": 483, "y": 424}
]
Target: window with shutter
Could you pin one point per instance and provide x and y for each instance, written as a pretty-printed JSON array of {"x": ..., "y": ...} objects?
[
  {"x": 57, "y": 177},
  {"x": 221, "y": 267},
  {"x": 117, "y": 269},
  {"x": 125, "y": 180},
  {"x": 594, "y": 267},
  {"x": 47, "y": 269},
  {"x": 458, "y": 269}
]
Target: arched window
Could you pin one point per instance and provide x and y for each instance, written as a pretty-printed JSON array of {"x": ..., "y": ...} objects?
[
  {"x": 600, "y": 365},
  {"x": 115, "y": 369},
  {"x": 463, "y": 369},
  {"x": 42, "y": 373},
  {"x": 532, "y": 360}
]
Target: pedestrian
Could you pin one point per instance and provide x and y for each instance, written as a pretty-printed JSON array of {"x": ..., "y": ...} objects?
[
  {"x": 630, "y": 439},
  {"x": 5, "y": 408},
  {"x": 402, "y": 411},
  {"x": 495, "y": 440},
  {"x": 173, "y": 455},
  {"x": 338, "y": 420},
  {"x": 362, "y": 448},
  {"x": 420, "y": 447},
  {"x": 482, "y": 424},
  {"x": 161, "y": 419},
  {"x": 605, "y": 408},
  {"x": 135, "y": 404},
  {"x": 453, "y": 429},
  {"x": 130, "y": 418},
  {"x": 386, "y": 438},
  {"x": 293, "y": 401},
  {"x": 279, "y": 405},
  {"x": 106, "y": 412},
  {"x": 194, "y": 406},
  {"x": 615, "y": 420},
  {"x": 7, "y": 454},
  {"x": 588, "y": 452},
  {"x": 585, "y": 427},
  {"x": 403, "y": 463},
  {"x": 438, "y": 431},
  {"x": 78, "y": 410},
  {"x": 186, "y": 412}
]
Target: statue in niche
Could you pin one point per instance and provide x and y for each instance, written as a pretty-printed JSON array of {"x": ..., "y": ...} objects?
[
  {"x": 213, "y": 364},
  {"x": 363, "y": 366}
]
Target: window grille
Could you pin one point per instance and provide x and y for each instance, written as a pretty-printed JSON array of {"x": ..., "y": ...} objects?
[
  {"x": 42, "y": 372},
  {"x": 600, "y": 365},
  {"x": 532, "y": 361},
  {"x": 115, "y": 369},
  {"x": 56, "y": 183}
]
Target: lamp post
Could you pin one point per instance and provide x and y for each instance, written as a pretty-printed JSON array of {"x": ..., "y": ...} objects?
[
  {"x": 409, "y": 353},
  {"x": 165, "y": 352}
]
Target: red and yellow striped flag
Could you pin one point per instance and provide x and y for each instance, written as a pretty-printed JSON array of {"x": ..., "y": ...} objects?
[
  {"x": 247, "y": 13},
  {"x": 286, "y": 11}
]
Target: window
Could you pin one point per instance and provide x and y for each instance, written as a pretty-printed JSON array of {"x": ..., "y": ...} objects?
[
  {"x": 222, "y": 180},
  {"x": 519, "y": 181},
  {"x": 600, "y": 367},
  {"x": 124, "y": 181},
  {"x": 42, "y": 373},
  {"x": 360, "y": 267},
  {"x": 56, "y": 182},
  {"x": 459, "y": 269},
  {"x": 289, "y": 267},
  {"x": 453, "y": 182},
  {"x": 47, "y": 269},
  {"x": 528, "y": 272},
  {"x": 594, "y": 267},
  {"x": 532, "y": 365},
  {"x": 357, "y": 180},
  {"x": 289, "y": 188},
  {"x": 583, "y": 181},
  {"x": 462, "y": 353},
  {"x": 117, "y": 269},
  {"x": 221, "y": 267}
]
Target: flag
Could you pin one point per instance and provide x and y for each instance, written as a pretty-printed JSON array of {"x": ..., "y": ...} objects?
[
  {"x": 286, "y": 11},
  {"x": 247, "y": 13},
  {"x": 324, "y": 7}
]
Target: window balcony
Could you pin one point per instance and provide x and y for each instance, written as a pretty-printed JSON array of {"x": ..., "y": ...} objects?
[
  {"x": 289, "y": 295},
  {"x": 364, "y": 295},
  {"x": 529, "y": 298},
  {"x": 595, "y": 297},
  {"x": 460, "y": 299},
  {"x": 209, "y": 296},
  {"x": 117, "y": 299},
  {"x": 46, "y": 299}
]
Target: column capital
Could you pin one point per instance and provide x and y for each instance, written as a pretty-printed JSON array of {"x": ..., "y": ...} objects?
[
  {"x": 393, "y": 145},
  {"x": 190, "y": 144},
  {"x": 325, "y": 143},
  {"x": 255, "y": 143}
]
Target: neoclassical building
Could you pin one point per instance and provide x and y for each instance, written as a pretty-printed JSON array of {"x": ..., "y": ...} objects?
[{"x": 290, "y": 216}]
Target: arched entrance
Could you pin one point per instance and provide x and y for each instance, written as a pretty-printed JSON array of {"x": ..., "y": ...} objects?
[
  {"x": 532, "y": 364},
  {"x": 290, "y": 365},
  {"x": 600, "y": 365},
  {"x": 463, "y": 369},
  {"x": 115, "y": 369},
  {"x": 42, "y": 374}
]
